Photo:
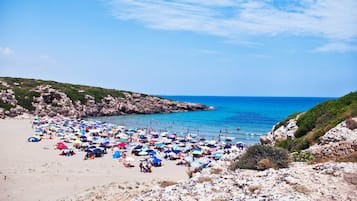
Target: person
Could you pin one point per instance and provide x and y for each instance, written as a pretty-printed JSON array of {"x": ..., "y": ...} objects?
[{"x": 141, "y": 166}]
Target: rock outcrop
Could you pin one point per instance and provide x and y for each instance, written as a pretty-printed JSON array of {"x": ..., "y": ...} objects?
[
  {"x": 338, "y": 141},
  {"x": 327, "y": 181},
  {"x": 285, "y": 131},
  {"x": 50, "y": 101}
]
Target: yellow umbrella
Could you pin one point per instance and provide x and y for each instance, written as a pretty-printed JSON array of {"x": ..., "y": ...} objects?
[
  {"x": 77, "y": 142},
  {"x": 38, "y": 137},
  {"x": 205, "y": 147}
]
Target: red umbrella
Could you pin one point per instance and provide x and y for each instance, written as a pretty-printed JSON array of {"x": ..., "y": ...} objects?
[
  {"x": 121, "y": 145},
  {"x": 61, "y": 146}
]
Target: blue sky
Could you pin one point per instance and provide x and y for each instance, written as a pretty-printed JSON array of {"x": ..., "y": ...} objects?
[{"x": 182, "y": 47}]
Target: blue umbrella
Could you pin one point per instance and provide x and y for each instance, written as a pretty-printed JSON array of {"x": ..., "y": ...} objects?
[
  {"x": 177, "y": 151},
  {"x": 156, "y": 160}
]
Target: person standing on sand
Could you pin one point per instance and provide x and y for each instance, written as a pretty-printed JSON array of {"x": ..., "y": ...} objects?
[{"x": 141, "y": 166}]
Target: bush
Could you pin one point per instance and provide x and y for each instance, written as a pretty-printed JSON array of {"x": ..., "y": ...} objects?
[
  {"x": 302, "y": 156},
  {"x": 294, "y": 145},
  {"x": 24, "y": 97},
  {"x": 6, "y": 106},
  {"x": 260, "y": 157},
  {"x": 327, "y": 114}
]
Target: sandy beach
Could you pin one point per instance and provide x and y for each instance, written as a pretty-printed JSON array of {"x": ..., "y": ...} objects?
[{"x": 36, "y": 171}]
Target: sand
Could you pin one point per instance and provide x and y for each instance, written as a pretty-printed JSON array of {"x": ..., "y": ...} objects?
[{"x": 35, "y": 171}]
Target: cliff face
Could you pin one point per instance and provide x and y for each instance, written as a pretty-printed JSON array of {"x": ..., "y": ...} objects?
[
  {"x": 339, "y": 141},
  {"x": 43, "y": 98},
  {"x": 283, "y": 132}
]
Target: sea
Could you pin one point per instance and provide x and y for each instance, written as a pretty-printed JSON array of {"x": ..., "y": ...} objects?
[{"x": 243, "y": 118}]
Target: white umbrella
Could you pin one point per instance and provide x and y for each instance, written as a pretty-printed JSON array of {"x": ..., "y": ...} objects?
[{"x": 129, "y": 159}]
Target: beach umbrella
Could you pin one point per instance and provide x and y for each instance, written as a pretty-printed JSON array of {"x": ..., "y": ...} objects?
[
  {"x": 143, "y": 153},
  {"x": 156, "y": 160},
  {"x": 177, "y": 151},
  {"x": 171, "y": 136},
  {"x": 155, "y": 135},
  {"x": 188, "y": 158},
  {"x": 129, "y": 159},
  {"x": 61, "y": 146},
  {"x": 227, "y": 146},
  {"x": 167, "y": 141},
  {"x": 130, "y": 133},
  {"x": 151, "y": 152},
  {"x": 121, "y": 145},
  {"x": 122, "y": 136},
  {"x": 123, "y": 140},
  {"x": 217, "y": 156},
  {"x": 159, "y": 144},
  {"x": 167, "y": 151},
  {"x": 77, "y": 142},
  {"x": 181, "y": 145},
  {"x": 116, "y": 155},
  {"x": 83, "y": 138},
  {"x": 205, "y": 147},
  {"x": 195, "y": 164},
  {"x": 197, "y": 152},
  {"x": 220, "y": 151},
  {"x": 33, "y": 139},
  {"x": 85, "y": 144}
]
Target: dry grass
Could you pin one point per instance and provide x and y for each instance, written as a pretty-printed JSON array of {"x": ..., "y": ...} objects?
[
  {"x": 164, "y": 184},
  {"x": 265, "y": 164},
  {"x": 351, "y": 124},
  {"x": 253, "y": 188},
  {"x": 349, "y": 158},
  {"x": 319, "y": 160},
  {"x": 204, "y": 179},
  {"x": 216, "y": 171}
]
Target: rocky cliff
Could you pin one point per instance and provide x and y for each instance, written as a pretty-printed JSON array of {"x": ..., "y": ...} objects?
[
  {"x": 281, "y": 131},
  {"x": 47, "y": 98},
  {"x": 328, "y": 130}
]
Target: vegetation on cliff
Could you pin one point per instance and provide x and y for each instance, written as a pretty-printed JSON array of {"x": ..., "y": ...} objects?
[
  {"x": 24, "y": 88},
  {"x": 318, "y": 120}
]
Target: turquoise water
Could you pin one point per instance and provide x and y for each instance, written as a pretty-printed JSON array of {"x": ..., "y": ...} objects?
[{"x": 254, "y": 116}]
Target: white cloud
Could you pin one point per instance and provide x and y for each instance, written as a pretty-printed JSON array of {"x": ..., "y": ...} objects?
[
  {"x": 6, "y": 51},
  {"x": 336, "y": 47},
  {"x": 239, "y": 19}
]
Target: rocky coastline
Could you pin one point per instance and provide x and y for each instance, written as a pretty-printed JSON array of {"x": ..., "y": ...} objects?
[{"x": 50, "y": 101}]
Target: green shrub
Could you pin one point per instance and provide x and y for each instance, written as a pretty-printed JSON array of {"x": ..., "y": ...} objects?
[
  {"x": 260, "y": 157},
  {"x": 302, "y": 156},
  {"x": 72, "y": 90},
  {"x": 327, "y": 114},
  {"x": 285, "y": 121},
  {"x": 318, "y": 120},
  {"x": 296, "y": 144},
  {"x": 24, "y": 97},
  {"x": 6, "y": 106}
]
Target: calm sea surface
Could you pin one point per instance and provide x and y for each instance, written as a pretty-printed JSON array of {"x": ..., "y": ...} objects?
[{"x": 254, "y": 116}]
